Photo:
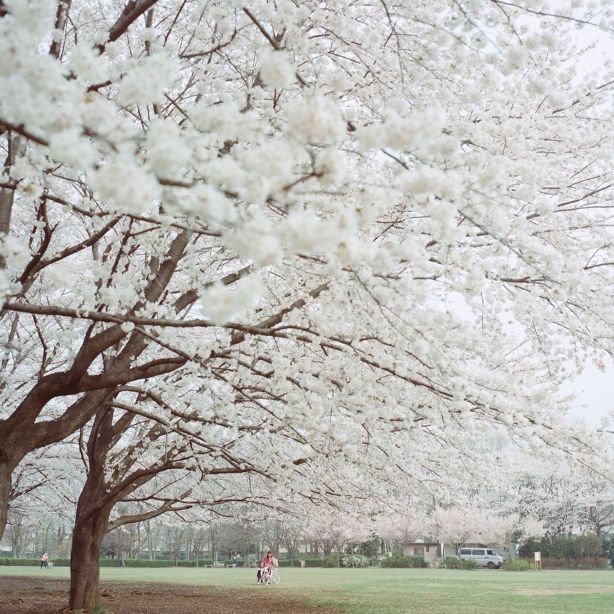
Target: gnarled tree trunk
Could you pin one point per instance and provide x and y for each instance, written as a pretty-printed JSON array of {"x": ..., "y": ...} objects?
[
  {"x": 5, "y": 491},
  {"x": 10, "y": 456},
  {"x": 90, "y": 528},
  {"x": 91, "y": 520}
]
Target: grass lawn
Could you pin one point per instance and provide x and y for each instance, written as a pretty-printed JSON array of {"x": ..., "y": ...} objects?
[{"x": 365, "y": 591}]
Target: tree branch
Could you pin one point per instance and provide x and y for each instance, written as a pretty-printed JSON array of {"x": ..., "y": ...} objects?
[
  {"x": 115, "y": 378},
  {"x": 132, "y": 11},
  {"x": 166, "y": 507}
]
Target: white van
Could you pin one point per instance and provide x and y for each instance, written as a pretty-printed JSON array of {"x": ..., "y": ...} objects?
[{"x": 483, "y": 557}]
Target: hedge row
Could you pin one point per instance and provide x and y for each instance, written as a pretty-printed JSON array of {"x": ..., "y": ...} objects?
[
  {"x": 297, "y": 562},
  {"x": 160, "y": 563},
  {"x": 107, "y": 563},
  {"x": 404, "y": 561},
  {"x": 452, "y": 562},
  {"x": 577, "y": 547},
  {"x": 346, "y": 560},
  {"x": 599, "y": 562},
  {"x": 314, "y": 562},
  {"x": 289, "y": 563},
  {"x": 516, "y": 565},
  {"x": 28, "y": 562}
]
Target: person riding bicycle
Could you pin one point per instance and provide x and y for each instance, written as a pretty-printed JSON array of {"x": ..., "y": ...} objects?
[{"x": 265, "y": 566}]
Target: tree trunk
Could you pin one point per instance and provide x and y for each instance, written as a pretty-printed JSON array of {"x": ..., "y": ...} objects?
[
  {"x": 91, "y": 521},
  {"x": 90, "y": 527},
  {"x": 5, "y": 491},
  {"x": 149, "y": 540},
  {"x": 6, "y": 470},
  {"x": 136, "y": 552}
]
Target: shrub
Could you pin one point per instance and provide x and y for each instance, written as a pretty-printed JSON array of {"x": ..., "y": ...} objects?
[
  {"x": 158, "y": 563},
  {"x": 28, "y": 562},
  {"x": 314, "y": 562},
  {"x": 333, "y": 560},
  {"x": 598, "y": 562},
  {"x": 394, "y": 561},
  {"x": 602, "y": 562},
  {"x": 404, "y": 561},
  {"x": 554, "y": 547},
  {"x": 560, "y": 547},
  {"x": 369, "y": 548},
  {"x": 451, "y": 562},
  {"x": 101, "y": 562},
  {"x": 516, "y": 565},
  {"x": 354, "y": 560},
  {"x": 289, "y": 563},
  {"x": 580, "y": 552},
  {"x": 468, "y": 564},
  {"x": 588, "y": 545},
  {"x": 163, "y": 563},
  {"x": 34, "y": 562},
  {"x": 530, "y": 546},
  {"x": 552, "y": 563},
  {"x": 308, "y": 562},
  {"x": 592, "y": 562},
  {"x": 418, "y": 562}
]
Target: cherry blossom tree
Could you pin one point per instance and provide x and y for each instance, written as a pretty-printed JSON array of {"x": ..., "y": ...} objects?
[
  {"x": 457, "y": 526},
  {"x": 572, "y": 500},
  {"x": 272, "y": 534},
  {"x": 333, "y": 532},
  {"x": 341, "y": 243},
  {"x": 398, "y": 529},
  {"x": 44, "y": 490},
  {"x": 483, "y": 523}
]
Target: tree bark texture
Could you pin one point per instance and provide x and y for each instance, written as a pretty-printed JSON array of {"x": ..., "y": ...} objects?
[
  {"x": 90, "y": 527},
  {"x": 5, "y": 491},
  {"x": 91, "y": 520},
  {"x": 10, "y": 456}
]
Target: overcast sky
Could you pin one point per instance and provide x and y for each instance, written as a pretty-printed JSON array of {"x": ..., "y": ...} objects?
[{"x": 594, "y": 390}]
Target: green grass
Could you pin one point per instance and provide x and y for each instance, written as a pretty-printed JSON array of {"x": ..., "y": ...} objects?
[{"x": 388, "y": 591}]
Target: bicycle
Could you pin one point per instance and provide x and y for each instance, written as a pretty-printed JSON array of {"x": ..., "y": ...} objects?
[
  {"x": 274, "y": 576},
  {"x": 270, "y": 575}
]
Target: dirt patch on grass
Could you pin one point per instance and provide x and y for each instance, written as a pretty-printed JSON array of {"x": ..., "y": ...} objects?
[{"x": 32, "y": 595}]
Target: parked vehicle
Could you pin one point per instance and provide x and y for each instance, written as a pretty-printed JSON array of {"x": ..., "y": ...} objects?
[{"x": 483, "y": 557}]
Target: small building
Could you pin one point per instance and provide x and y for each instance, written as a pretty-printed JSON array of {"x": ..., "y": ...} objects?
[{"x": 430, "y": 551}]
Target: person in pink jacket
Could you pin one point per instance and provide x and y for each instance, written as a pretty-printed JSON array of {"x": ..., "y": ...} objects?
[{"x": 265, "y": 565}]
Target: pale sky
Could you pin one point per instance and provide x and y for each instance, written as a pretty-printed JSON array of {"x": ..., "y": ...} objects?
[{"x": 594, "y": 390}]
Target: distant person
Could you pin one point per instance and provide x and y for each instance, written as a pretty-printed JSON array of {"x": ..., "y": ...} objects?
[
  {"x": 265, "y": 566},
  {"x": 44, "y": 560},
  {"x": 234, "y": 561}
]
